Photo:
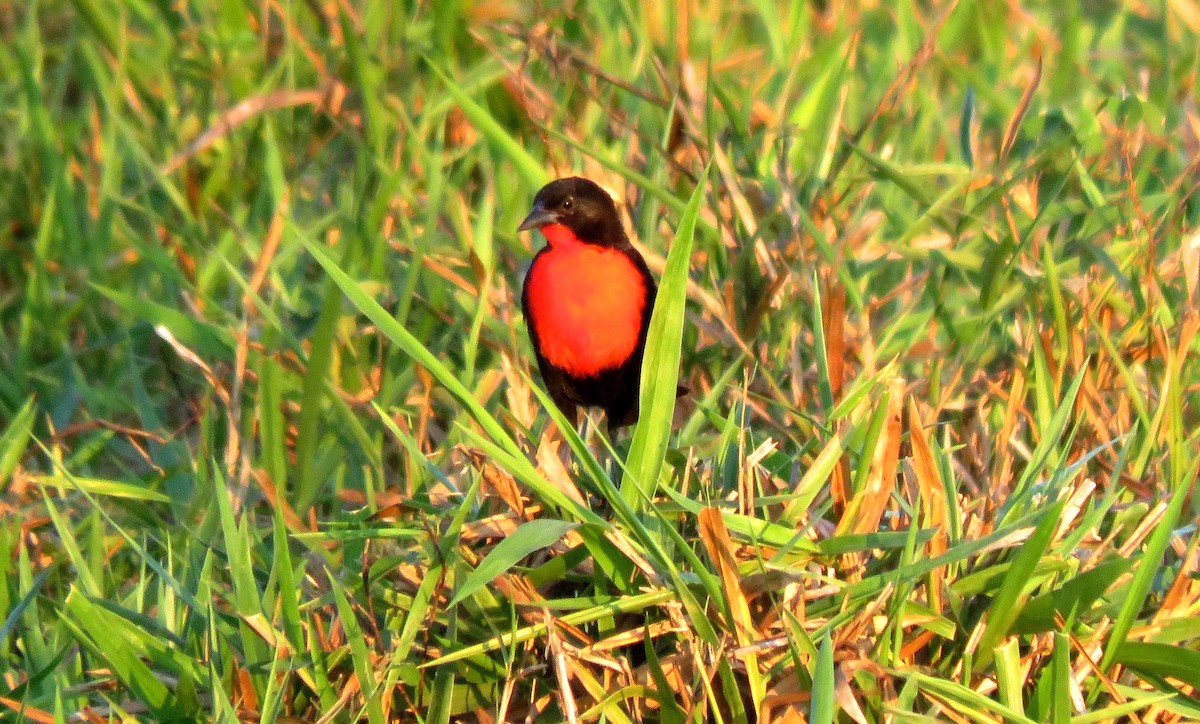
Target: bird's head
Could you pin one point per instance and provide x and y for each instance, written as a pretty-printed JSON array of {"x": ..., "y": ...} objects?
[{"x": 581, "y": 206}]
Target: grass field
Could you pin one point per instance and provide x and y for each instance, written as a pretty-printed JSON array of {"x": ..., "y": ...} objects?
[{"x": 272, "y": 448}]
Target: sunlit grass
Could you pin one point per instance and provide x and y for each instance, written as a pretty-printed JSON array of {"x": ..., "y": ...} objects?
[{"x": 273, "y": 447}]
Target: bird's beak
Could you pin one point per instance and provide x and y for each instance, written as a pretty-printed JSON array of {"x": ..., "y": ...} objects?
[{"x": 538, "y": 217}]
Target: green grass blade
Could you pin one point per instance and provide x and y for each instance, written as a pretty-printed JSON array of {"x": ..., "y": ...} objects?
[
  {"x": 96, "y": 486},
  {"x": 823, "y": 705},
  {"x": 527, "y": 538},
  {"x": 660, "y": 367},
  {"x": 93, "y": 629},
  {"x": 309, "y": 431},
  {"x": 1004, "y": 608},
  {"x": 1078, "y": 594},
  {"x": 14, "y": 440},
  {"x": 359, "y": 654},
  {"x": 411, "y": 346},
  {"x": 1143, "y": 579},
  {"x": 966, "y": 701},
  {"x": 533, "y": 171}
]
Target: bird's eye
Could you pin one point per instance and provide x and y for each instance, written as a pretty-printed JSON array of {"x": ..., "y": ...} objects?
[{"x": 568, "y": 202}]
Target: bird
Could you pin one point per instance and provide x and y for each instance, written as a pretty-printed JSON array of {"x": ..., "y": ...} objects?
[{"x": 587, "y": 299}]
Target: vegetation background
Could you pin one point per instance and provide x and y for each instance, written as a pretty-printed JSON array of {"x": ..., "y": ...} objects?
[{"x": 271, "y": 449}]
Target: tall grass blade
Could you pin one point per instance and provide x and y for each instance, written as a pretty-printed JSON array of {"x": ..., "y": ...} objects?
[{"x": 660, "y": 366}]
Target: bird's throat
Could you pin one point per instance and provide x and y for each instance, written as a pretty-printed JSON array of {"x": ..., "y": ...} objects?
[{"x": 560, "y": 236}]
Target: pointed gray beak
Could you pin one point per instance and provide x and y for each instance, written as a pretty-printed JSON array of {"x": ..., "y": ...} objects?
[{"x": 538, "y": 217}]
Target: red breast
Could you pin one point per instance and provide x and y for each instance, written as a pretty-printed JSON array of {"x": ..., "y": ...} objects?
[{"x": 586, "y": 303}]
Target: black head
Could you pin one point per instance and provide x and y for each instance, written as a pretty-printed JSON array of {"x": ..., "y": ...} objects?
[{"x": 580, "y": 205}]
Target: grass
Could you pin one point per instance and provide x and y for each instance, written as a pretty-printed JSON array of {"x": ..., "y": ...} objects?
[{"x": 272, "y": 448}]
